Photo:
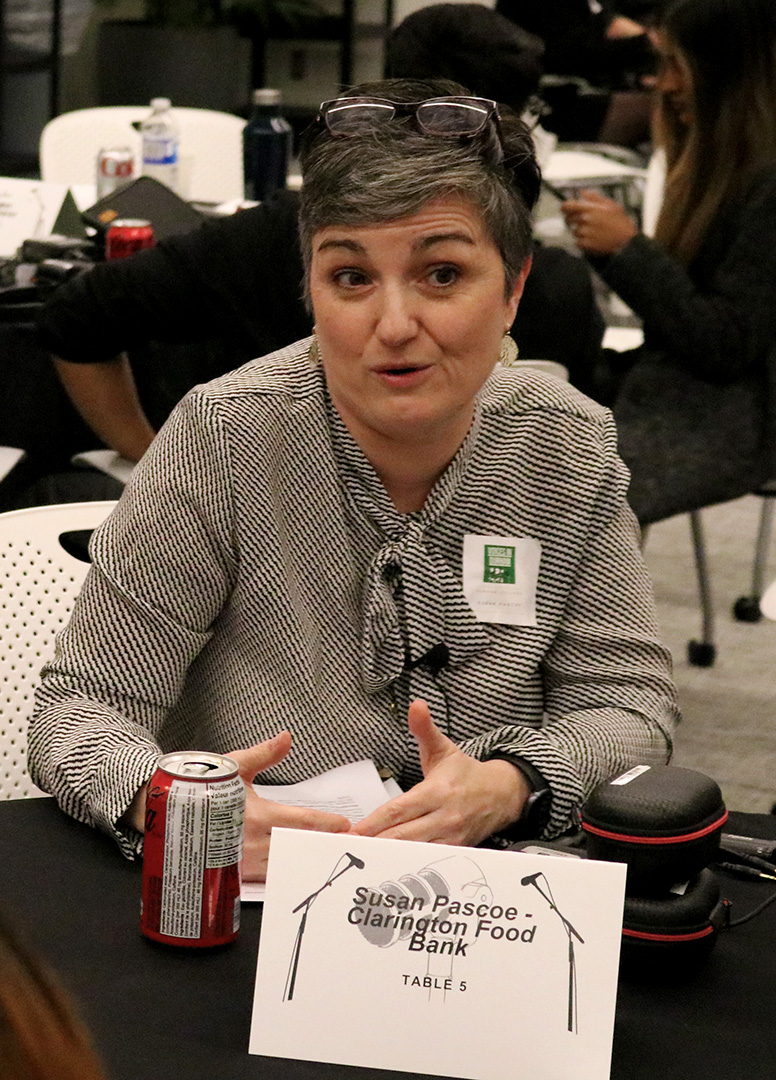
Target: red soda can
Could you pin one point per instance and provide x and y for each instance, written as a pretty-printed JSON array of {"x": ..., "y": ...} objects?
[
  {"x": 126, "y": 236},
  {"x": 115, "y": 167},
  {"x": 192, "y": 849}
]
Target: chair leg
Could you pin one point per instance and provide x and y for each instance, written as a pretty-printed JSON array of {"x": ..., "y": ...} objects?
[
  {"x": 747, "y": 608},
  {"x": 702, "y": 653}
]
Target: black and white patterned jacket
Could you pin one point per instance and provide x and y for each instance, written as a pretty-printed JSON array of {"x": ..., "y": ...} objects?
[{"x": 255, "y": 576}]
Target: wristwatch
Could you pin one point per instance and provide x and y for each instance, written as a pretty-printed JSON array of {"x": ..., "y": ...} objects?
[{"x": 536, "y": 809}]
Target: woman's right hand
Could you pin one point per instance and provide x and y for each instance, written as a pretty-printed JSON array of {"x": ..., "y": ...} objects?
[
  {"x": 599, "y": 225},
  {"x": 261, "y": 815}
]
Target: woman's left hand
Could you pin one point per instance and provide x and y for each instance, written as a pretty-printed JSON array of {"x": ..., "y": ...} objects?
[
  {"x": 599, "y": 225},
  {"x": 460, "y": 800}
]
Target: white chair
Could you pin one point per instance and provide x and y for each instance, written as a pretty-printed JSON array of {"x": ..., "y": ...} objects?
[
  {"x": 654, "y": 185},
  {"x": 40, "y": 583},
  {"x": 211, "y": 169},
  {"x": 548, "y": 367}
]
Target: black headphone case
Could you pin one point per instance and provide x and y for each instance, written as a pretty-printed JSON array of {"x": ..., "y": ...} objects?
[
  {"x": 670, "y": 935},
  {"x": 663, "y": 821}
]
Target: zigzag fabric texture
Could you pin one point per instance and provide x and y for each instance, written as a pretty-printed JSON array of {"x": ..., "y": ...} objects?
[{"x": 255, "y": 576}]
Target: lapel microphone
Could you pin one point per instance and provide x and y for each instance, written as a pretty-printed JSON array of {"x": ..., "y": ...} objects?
[{"x": 435, "y": 659}]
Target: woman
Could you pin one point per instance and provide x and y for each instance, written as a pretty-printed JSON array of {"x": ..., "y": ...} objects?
[
  {"x": 695, "y": 406},
  {"x": 40, "y": 1036},
  {"x": 374, "y": 525}
]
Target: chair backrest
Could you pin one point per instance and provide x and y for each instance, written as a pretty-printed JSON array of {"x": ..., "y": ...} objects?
[
  {"x": 549, "y": 367},
  {"x": 210, "y": 168},
  {"x": 41, "y": 581},
  {"x": 653, "y": 191}
]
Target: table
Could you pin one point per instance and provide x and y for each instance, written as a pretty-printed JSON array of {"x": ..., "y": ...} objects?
[{"x": 163, "y": 1012}]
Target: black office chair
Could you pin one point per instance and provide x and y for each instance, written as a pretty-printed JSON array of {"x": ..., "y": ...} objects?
[
  {"x": 703, "y": 652},
  {"x": 747, "y": 608}
]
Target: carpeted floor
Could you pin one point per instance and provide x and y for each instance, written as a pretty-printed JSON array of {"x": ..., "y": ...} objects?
[{"x": 729, "y": 726}]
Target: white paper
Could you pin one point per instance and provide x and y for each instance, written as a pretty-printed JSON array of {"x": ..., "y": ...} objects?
[
  {"x": 353, "y": 790},
  {"x": 570, "y": 165},
  {"x": 463, "y": 966},
  {"x": 500, "y": 574},
  {"x": 28, "y": 210},
  {"x": 85, "y": 195}
]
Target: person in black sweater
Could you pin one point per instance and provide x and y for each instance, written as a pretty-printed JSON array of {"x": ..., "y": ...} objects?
[
  {"x": 696, "y": 405},
  {"x": 237, "y": 282},
  {"x": 594, "y": 40},
  {"x": 604, "y": 43}
]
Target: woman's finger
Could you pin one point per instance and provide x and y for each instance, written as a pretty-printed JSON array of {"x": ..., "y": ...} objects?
[
  {"x": 280, "y": 816},
  {"x": 255, "y": 759},
  {"x": 433, "y": 745},
  {"x": 262, "y": 815},
  {"x": 415, "y": 803}
]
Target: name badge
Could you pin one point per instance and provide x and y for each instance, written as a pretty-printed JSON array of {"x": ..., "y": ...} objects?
[{"x": 499, "y": 578}]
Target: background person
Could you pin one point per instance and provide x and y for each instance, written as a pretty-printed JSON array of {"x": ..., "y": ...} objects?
[
  {"x": 600, "y": 43},
  {"x": 592, "y": 40},
  {"x": 41, "y": 1038},
  {"x": 290, "y": 553},
  {"x": 470, "y": 44},
  {"x": 233, "y": 287},
  {"x": 695, "y": 405}
]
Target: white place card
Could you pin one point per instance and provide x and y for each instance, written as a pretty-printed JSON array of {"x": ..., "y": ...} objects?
[
  {"x": 28, "y": 210},
  {"x": 450, "y": 961}
]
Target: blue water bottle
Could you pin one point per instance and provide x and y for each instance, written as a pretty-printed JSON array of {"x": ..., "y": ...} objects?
[{"x": 267, "y": 141}]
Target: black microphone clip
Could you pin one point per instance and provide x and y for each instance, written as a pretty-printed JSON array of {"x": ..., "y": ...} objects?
[{"x": 437, "y": 657}]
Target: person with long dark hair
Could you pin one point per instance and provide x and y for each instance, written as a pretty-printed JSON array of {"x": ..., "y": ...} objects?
[
  {"x": 41, "y": 1037},
  {"x": 696, "y": 405}
]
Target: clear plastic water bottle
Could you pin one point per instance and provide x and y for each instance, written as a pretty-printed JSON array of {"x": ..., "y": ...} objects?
[
  {"x": 267, "y": 141},
  {"x": 159, "y": 133}
]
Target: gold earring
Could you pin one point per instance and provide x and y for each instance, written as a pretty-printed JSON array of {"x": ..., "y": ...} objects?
[
  {"x": 314, "y": 355},
  {"x": 508, "y": 353}
]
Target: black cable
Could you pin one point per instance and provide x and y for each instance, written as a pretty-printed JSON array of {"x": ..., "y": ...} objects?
[
  {"x": 750, "y": 915},
  {"x": 747, "y": 859}
]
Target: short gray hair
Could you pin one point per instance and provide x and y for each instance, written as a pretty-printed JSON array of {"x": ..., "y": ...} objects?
[{"x": 394, "y": 171}]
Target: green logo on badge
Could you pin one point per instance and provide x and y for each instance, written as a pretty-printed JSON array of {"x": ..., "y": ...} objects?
[{"x": 499, "y": 564}]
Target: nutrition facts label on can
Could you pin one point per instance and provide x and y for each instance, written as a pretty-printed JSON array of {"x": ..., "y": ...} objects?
[
  {"x": 185, "y": 843},
  {"x": 225, "y": 831}
]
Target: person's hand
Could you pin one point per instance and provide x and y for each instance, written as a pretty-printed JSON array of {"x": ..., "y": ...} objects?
[
  {"x": 262, "y": 814},
  {"x": 623, "y": 27},
  {"x": 135, "y": 813},
  {"x": 459, "y": 801},
  {"x": 599, "y": 225}
]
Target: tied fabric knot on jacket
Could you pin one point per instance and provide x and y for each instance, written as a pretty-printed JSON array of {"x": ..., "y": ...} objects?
[{"x": 412, "y": 601}]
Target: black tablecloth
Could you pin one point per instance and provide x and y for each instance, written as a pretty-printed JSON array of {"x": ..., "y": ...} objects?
[{"x": 185, "y": 1015}]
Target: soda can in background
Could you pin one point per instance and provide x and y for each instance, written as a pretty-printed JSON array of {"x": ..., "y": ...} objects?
[
  {"x": 192, "y": 849},
  {"x": 126, "y": 236},
  {"x": 115, "y": 167}
]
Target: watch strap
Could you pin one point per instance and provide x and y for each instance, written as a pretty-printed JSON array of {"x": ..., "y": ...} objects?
[{"x": 536, "y": 810}]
